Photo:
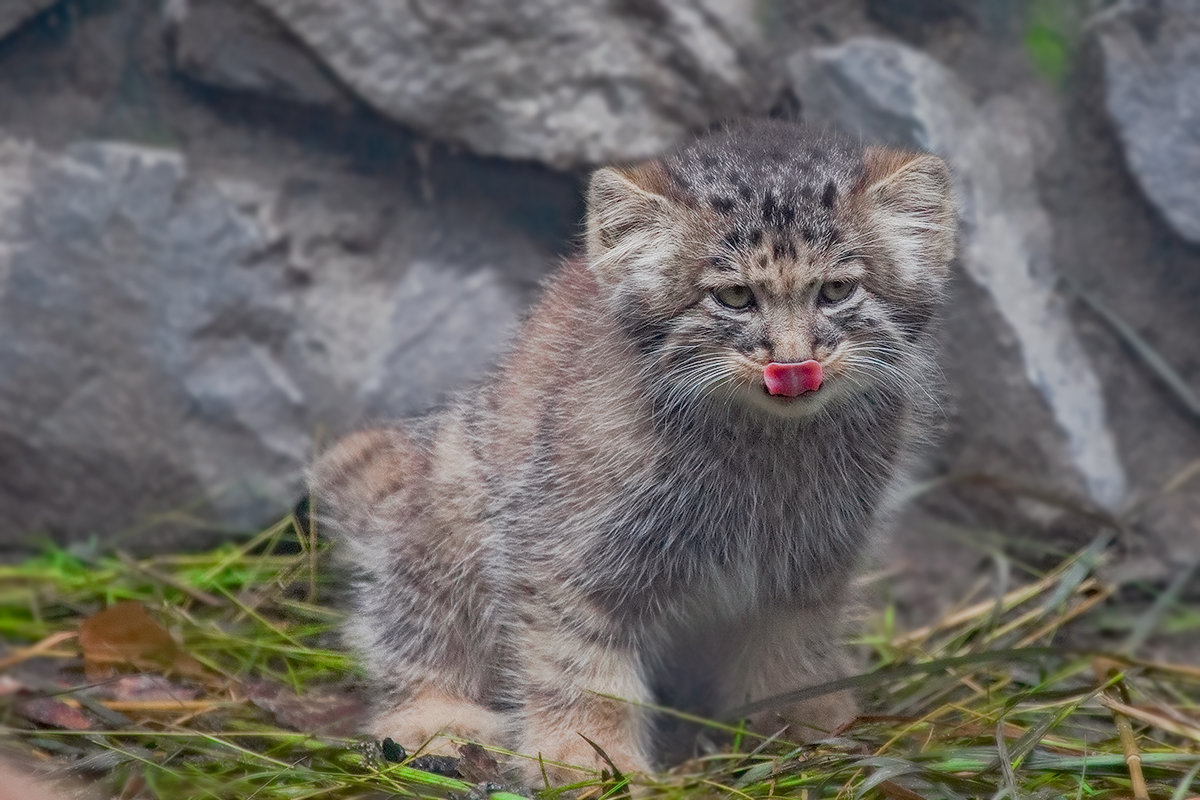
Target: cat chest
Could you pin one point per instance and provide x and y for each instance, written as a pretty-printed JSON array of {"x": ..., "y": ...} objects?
[{"x": 689, "y": 546}]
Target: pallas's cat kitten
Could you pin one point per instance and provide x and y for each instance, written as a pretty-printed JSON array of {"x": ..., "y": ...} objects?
[{"x": 664, "y": 490}]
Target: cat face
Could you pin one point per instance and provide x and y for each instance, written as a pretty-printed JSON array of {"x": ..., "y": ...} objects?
[{"x": 770, "y": 269}]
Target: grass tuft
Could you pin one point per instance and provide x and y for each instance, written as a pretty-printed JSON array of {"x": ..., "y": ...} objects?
[{"x": 988, "y": 702}]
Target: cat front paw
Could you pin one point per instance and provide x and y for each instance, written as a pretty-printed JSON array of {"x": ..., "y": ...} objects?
[{"x": 431, "y": 723}]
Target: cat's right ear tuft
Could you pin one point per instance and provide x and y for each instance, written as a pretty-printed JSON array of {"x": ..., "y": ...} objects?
[{"x": 626, "y": 211}]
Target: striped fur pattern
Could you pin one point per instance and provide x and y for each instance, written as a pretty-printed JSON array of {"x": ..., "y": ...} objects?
[{"x": 622, "y": 511}]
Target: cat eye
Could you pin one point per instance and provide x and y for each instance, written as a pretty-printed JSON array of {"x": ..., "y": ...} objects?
[
  {"x": 836, "y": 291},
  {"x": 736, "y": 297}
]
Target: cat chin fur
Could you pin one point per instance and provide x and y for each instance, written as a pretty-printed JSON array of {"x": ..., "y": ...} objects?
[{"x": 577, "y": 528}]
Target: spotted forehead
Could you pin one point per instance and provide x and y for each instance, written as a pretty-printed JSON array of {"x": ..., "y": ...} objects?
[{"x": 771, "y": 185}]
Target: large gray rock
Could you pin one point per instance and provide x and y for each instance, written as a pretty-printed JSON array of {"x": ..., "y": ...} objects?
[
  {"x": 1151, "y": 58},
  {"x": 231, "y": 44},
  {"x": 1028, "y": 402},
  {"x": 15, "y": 13},
  {"x": 175, "y": 345},
  {"x": 561, "y": 83}
]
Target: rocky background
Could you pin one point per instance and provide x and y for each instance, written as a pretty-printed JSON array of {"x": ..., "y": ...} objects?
[{"x": 231, "y": 230}]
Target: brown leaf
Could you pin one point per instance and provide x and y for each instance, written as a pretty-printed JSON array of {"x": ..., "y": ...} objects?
[
  {"x": 125, "y": 636},
  {"x": 478, "y": 765},
  {"x": 55, "y": 713},
  {"x": 330, "y": 712}
]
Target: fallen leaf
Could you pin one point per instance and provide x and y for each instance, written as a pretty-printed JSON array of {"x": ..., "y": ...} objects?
[
  {"x": 55, "y": 713},
  {"x": 124, "y": 635},
  {"x": 478, "y": 765},
  {"x": 330, "y": 712}
]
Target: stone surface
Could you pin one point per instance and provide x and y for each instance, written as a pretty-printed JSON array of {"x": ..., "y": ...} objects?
[
  {"x": 231, "y": 44},
  {"x": 15, "y": 13},
  {"x": 566, "y": 84},
  {"x": 171, "y": 344},
  {"x": 913, "y": 19},
  {"x": 1114, "y": 244},
  {"x": 1151, "y": 56},
  {"x": 1027, "y": 398},
  {"x": 342, "y": 248}
]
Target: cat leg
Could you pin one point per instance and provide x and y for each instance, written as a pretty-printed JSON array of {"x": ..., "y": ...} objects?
[
  {"x": 436, "y": 679},
  {"x": 578, "y": 684},
  {"x": 782, "y": 651},
  {"x": 408, "y": 529}
]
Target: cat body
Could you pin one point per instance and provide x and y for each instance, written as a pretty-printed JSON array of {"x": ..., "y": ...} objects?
[{"x": 639, "y": 507}]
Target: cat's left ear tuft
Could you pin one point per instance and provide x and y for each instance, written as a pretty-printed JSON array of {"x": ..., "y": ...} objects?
[{"x": 910, "y": 194}]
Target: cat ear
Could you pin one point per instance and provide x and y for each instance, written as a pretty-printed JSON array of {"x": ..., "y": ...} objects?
[
  {"x": 628, "y": 215},
  {"x": 909, "y": 195}
]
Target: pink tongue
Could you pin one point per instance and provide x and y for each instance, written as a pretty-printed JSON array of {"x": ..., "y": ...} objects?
[{"x": 792, "y": 380}]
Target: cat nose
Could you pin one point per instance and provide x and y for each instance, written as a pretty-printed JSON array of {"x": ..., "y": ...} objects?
[{"x": 792, "y": 379}]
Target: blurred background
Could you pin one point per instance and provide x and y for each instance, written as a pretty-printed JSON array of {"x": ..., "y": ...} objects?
[{"x": 231, "y": 230}]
